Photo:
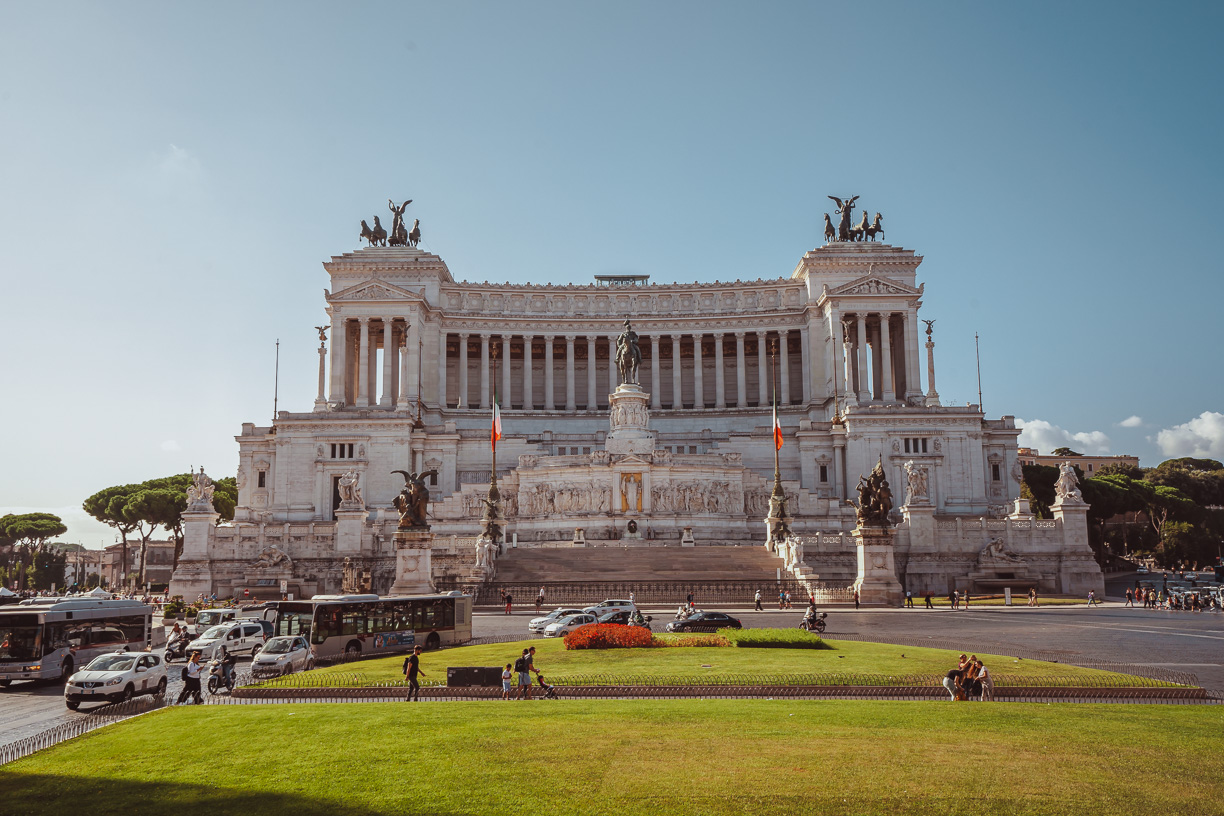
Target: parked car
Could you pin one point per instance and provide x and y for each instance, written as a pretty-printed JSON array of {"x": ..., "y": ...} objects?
[
  {"x": 1141, "y": 571},
  {"x": 236, "y": 638},
  {"x": 626, "y": 619},
  {"x": 567, "y": 624},
  {"x": 283, "y": 655},
  {"x": 704, "y": 621},
  {"x": 116, "y": 677},
  {"x": 538, "y": 625},
  {"x": 604, "y": 607}
]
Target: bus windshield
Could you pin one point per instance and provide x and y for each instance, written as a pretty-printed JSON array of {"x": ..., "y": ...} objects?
[
  {"x": 294, "y": 618},
  {"x": 20, "y": 642}
]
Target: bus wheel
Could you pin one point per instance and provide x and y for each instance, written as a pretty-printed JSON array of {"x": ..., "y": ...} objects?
[
  {"x": 353, "y": 650},
  {"x": 433, "y": 641},
  {"x": 66, "y": 670}
]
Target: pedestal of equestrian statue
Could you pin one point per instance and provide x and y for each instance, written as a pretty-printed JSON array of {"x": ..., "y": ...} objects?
[
  {"x": 413, "y": 548},
  {"x": 877, "y": 571}
]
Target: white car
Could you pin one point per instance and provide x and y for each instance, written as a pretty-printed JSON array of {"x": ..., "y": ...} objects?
[
  {"x": 538, "y": 625},
  {"x": 229, "y": 638},
  {"x": 567, "y": 624},
  {"x": 1141, "y": 571},
  {"x": 283, "y": 655},
  {"x": 116, "y": 677},
  {"x": 604, "y": 607}
]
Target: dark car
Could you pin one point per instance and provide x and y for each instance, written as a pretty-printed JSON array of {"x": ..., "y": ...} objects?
[
  {"x": 704, "y": 622},
  {"x": 626, "y": 619}
]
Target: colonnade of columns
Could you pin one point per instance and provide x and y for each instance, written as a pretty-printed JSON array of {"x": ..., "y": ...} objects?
[
  {"x": 355, "y": 380},
  {"x": 679, "y": 371},
  {"x": 875, "y": 355}
]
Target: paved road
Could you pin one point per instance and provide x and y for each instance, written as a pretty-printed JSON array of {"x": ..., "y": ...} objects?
[{"x": 1184, "y": 641}]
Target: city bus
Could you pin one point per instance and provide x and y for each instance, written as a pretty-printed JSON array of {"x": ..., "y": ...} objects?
[
  {"x": 353, "y": 625},
  {"x": 49, "y": 638}
]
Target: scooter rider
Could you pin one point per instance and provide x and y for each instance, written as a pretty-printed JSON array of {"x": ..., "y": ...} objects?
[{"x": 227, "y": 669}]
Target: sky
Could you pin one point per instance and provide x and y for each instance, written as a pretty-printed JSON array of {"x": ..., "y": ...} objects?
[{"x": 172, "y": 177}]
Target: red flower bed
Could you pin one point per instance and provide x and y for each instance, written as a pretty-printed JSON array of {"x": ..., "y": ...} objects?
[{"x": 608, "y": 636}]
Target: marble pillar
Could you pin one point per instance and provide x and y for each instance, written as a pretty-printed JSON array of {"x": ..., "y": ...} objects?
[
  {"x": 571, "y": 403},
  {"x": 720, "y": 374},
  {"x": 463, "y": 370},
  {"x": 387, "y": 400},
  {"x": 741, "y": 373},
  {"x": 363, "y": 364}
]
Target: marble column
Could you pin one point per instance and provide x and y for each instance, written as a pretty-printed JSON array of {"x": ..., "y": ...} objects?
[
  {"x": 860, "y": 358},
  {"x": 339, "y": 341},
  {"x": 321, "y": 400},
  {"x": 570, "y": 403},
  {"x": 412, "y": 389},
  {"x": 613, "y": 374},
  {"x": 850, "y": 391},
  {"x": 592, "y": 402},
  {"x": 363, "y": 364},
  {"x": 833, "y": 353},
  {"x": 528, "y": 374},
  {"x": 698, "y": 375},
  {"x": 549, "y": 377},
  {"x": 932, "y": 396},
  {"x": 762, "y": 368},
  {"x": 442, "y": 367},
  {"x": 463, "y": 370},
  {"x": 913, "y": 374},
  {"x": 720, "y": 374},
  {"x": 405, "y": 352},
  {"x": 507, "y": 393},
  {"x": 806, "y": 359},
  {"x": 741, "y": 373},
  {"x": 877, "y": 378},
  {"x": 388, "y": 368},
  {"x": 656, "y": 399},
  {"x": 484, "y": 371},
  {"x": 890, "y": 391},
  {"x": 783, "y": 367},
  {"x": 677, "y": 380}
]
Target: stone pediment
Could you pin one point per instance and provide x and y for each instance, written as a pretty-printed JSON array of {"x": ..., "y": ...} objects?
[
  {"x": 374, "y": 290},
  {"x": 874, "y": 285}
]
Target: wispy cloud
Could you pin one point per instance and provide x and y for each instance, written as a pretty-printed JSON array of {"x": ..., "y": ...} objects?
[
  {"x": 1046, "y": 436},
  {"x": 1131, "y": 421},
  {"x": 1201, "y": 437}
]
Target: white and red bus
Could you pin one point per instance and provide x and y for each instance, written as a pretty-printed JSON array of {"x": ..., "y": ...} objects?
[
  {"x": 49, "y": 638},
  {"x": 353, "y": 625}
]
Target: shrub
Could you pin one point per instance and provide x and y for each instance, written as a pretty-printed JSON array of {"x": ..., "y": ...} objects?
[
  {"x": 608, "y": 636},
  {"x": 691, "y": 640},
  {"x": 773, "y": 638}
]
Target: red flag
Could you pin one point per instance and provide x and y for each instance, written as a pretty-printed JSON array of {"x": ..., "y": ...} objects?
[{"x": 497, "y": 433}]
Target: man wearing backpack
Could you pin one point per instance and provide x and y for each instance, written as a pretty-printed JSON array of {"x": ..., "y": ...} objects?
[{"x": 522, "y": 667}]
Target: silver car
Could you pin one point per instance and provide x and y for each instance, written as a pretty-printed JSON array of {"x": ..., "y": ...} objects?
[
  {"x": 283, "y": 655},
  {"x": 538, "y": 625}
]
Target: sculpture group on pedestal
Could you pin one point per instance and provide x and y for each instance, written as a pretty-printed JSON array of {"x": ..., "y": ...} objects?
[
  {"x": 1067, "y": 486},
  {"x": 400, "y": 234},
  {"x": 349, "y": 487},
  {"x": 875, "y": 498},
  {"x": 848, "y": 232},
  {"x": 200, "y": 493},
  {"x": 916, "y": 488},
  {"x": 628, "y": 355},
  {"x": 413, "y": 499}
]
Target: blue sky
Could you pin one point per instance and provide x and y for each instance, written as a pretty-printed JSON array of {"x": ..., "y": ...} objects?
[{"x": 172, "y": 177}]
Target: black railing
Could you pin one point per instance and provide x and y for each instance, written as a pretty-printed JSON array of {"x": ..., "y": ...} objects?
[{"x": 654, "y": 592}]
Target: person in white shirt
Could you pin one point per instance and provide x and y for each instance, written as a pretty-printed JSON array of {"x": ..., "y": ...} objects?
[{"x": 191, "y": 683}]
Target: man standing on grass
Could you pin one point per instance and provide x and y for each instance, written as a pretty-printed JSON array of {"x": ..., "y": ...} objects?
[
  {"x": 412, "y": 668},
  {"x": 522, "y": 667}
]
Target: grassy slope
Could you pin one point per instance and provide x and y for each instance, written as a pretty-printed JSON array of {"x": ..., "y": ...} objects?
[
  {"x": 846, "y": 657},
  {"x": 634, "y": 757}
]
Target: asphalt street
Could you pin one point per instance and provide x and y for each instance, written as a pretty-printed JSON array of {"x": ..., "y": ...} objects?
[{"x": 1184, "y": 641}]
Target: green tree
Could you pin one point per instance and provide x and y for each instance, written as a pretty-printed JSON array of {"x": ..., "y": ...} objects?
[
  {"x": 1066, "y": 452},
  {"x": 149, "y": 509},
  {"x": 225, "y": 500},
  {"x": 1106, "y": 498},
  {"x": 1201, "y": 480},
  {"x": 107, "y": 507},
  {"x": 1120, "y": 469},
  {"x": 29, "y": 533},
  {"x": 1038, "y": 488}
]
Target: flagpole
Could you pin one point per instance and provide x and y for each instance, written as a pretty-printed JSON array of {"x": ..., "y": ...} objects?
[{"x": 773, "y": 370}]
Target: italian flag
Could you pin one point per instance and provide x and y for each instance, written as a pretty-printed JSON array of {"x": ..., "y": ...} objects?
[
  {"x": 777, "y": 427},
  {"x": 496, "y": 432}
]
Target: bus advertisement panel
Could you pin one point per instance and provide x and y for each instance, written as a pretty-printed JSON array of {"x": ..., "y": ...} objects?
[
  {"x": 48, "y": 638},
  {"x": 352, "y": 625}
]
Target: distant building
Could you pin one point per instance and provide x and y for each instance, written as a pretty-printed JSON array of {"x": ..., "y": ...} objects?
[
  {"x": 1088, "y": 465},
  {"x": 158, "y": 568}
]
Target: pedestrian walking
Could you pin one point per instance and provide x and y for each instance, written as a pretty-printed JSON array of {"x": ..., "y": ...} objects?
[
  {"x": 690, "y": 600},
  {"x": 509, "y": 603},
  {"x": 1129, "y": 598},
  {"x": 191, "y": 680},
  {"x": 781, "y": 599},
  {"x": 930, "y": 596},
  {"x": 909, "y": 599},
  {"x": 507, "y": 676},
  {"x": 757, "y": 598},
  {"x": 540, "y": 600},
  {"x": 412, "y": 668},
  {"x": 788, "y": 599},
  {"x": 1092, "y": 598},
  {"x": 856, "y": 599},
  {"x": 1032, "y": 596}
]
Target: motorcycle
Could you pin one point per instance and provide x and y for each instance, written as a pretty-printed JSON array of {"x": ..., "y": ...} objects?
[
  {"x": 221, "y": 673},
  {"x": 813, "y": 622},
  {"x": 177, "y": 647}
]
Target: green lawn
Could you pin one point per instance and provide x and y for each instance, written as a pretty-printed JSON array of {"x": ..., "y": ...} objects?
[
  {"x": 689, "y": 758},
  {"x": 993, "y": 600},
  {"x": 684, "y": 664}
]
